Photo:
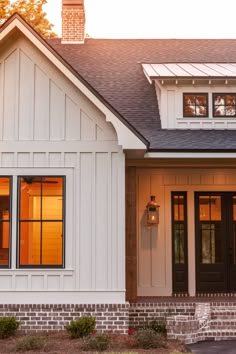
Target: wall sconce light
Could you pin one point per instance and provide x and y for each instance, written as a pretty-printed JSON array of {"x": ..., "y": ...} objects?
[{"x": 152, "y": 210}]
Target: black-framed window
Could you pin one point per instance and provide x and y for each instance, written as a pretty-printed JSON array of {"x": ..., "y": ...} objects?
[
  {"x": 5, "y": 220},
  {"x": 41, "y": 221},
  {"x": 179, "y": 242},
  {"x": 224, "y": 104},
  {"x": 195, "y": 105}
]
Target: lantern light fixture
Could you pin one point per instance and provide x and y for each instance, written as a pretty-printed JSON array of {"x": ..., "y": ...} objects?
[{"x": 152, "y": 210}]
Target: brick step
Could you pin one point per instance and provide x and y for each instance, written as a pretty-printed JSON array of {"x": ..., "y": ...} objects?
[
  {"x": 221, "y": 334},
  {"x": 222, "y": 324}
]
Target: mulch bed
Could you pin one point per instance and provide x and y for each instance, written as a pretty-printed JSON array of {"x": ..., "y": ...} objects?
[{"x": 61, "y": 343}]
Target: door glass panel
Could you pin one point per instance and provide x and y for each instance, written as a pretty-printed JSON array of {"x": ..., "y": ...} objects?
[
  {"x": 210, "y": 208},
  {"x": 179, "y": 243},
  {"x": 179, "y": 227},
  {"x": 210, "y": 229}
]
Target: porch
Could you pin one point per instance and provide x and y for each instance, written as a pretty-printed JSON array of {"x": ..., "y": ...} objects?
[{"x": 189, "y": 319}]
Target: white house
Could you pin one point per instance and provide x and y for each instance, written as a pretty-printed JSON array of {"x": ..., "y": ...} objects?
[{"x": 82, "y": 118}]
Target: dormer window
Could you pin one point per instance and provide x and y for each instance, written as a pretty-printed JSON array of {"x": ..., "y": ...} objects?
[
  {"x": 195, "y": 105},
  {"x": 224, "y": 105}
]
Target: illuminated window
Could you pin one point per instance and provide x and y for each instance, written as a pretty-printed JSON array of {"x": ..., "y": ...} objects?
[
  {"x": 5, "y": 221},
  {"x": 41, "y": 221},
  {"x": 195, "y": 105},
  {"x": 224, "y": 105}
]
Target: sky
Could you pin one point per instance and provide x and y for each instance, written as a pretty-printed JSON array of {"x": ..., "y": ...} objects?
[{"x": 154, "y": 18}]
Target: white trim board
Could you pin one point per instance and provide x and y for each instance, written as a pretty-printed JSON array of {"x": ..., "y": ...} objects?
[{"x": 190, "y": 155}]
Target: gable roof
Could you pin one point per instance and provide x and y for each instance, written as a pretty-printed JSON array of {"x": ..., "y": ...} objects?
[
  {"x": 110, "y": 70},
  {"x": 114, "y": 68},
  {"x": 128, "y": 136}
]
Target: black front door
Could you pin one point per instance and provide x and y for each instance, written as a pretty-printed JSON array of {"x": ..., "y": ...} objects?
[{"x": 215, "y": 242}]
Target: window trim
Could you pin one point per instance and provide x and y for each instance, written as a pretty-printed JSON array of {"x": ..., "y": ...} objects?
[
  {"x": 48, "y": 266},
  {"x": 206, "y": 94}
]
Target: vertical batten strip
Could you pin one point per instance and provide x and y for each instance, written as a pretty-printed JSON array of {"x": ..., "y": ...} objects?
[
  {"x": 109, "y": 221},
  {"x": 93, "y": 221},
  {"x": 76, "y": 234},
  {"x": 121, "y": 222},
  {"x": 114, "y": 216},
  {"x": 16, "y": 120}
]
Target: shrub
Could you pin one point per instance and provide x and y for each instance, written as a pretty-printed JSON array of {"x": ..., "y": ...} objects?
[
  {"x": 8, "y": 326},
  {"x": 30, "y": 343},
  {"x": 157, "y": 326},
  {"x": 99, "y": 342},
  {"x": 147, "y": 338},
  {"x": 82, "y": 327}
]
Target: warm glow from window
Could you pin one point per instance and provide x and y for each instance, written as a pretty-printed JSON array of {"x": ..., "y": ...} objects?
[
  {"x": 5, "y": 186},
  {"x": 41, "y": 221},
  {"x": 195, "y": 105}
]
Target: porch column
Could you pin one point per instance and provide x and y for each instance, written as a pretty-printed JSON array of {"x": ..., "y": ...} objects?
[{"x": 131, "y": 235}]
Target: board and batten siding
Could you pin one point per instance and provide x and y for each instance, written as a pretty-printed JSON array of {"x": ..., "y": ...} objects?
[
  {"x": 48, "y": 127},
  {"x": 154, "y": 276}
]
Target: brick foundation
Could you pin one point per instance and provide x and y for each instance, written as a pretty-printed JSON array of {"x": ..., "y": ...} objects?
[
  {"x": 186, "y": 321},
  {"x": 34, "y": 318},
  {"x": 144, "y": 312}
]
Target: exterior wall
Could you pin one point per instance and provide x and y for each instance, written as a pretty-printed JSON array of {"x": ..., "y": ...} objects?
[
  {"x": 170, "y": 100},
  {"x": 47, "y": 127},
  {"x": 154, "y": 244}
]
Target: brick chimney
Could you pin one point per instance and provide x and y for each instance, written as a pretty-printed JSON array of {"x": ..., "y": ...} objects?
[{"x": 73, "y": 21}]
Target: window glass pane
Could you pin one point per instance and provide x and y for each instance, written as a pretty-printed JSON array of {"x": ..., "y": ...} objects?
[
  {"x": 52, "y": 193},
  {"x": 52, "y": 233},
  {"x": 224, "y": 105},
  {"x": 30, "y": 243},
  {"x": 41, "y": 233},
  {"x": 195, "y": 105},
  {"x": 5, "y": 185},
  {"x": 30, "y": 187}
]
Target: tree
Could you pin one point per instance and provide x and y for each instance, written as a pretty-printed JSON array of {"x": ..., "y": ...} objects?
[{"x": 31, "y": 11}]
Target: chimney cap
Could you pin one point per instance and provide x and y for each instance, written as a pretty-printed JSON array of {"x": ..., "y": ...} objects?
[{"x": 72, "y": 2}]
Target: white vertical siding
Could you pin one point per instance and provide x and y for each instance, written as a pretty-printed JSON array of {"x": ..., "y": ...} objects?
[
  {"x": 26, "y": 98},
  {"x": 10, "y": 94},
  {"x": 41, "y": 122},
  {"x": 54, "y": 130},
  {"x": 57, "y": 112}
]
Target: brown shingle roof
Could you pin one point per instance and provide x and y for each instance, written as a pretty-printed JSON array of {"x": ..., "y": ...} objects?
[{"x": 113, "y": 68}]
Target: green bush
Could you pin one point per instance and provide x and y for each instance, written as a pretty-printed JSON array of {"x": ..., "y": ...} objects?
[
  {"x": 99, "y": 342},
  {"x": 147, "y": 338},
  {"x": 30, "y": 343},
  {"x": 82, "y": 327},
  {"x": 155, "y": 325},
  {"x": 8, "y": 326}
]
